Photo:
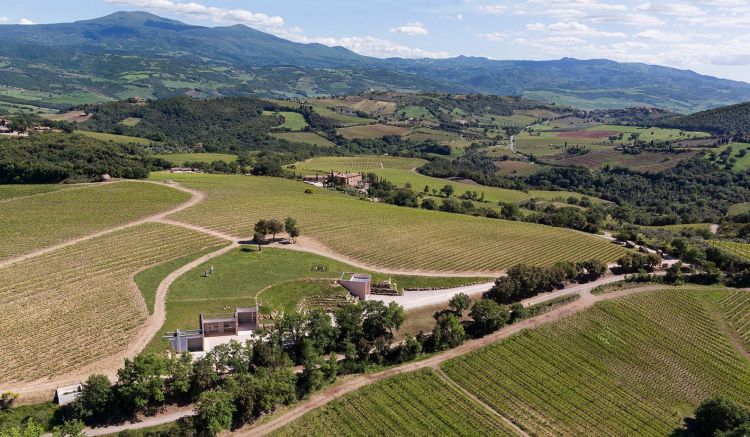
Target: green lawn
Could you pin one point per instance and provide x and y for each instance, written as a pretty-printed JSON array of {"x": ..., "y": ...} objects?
[
  {"x": 417, "y": 403},
  {"x": 634, "y": 366},
  {"x": 34, "y": 222},
  {"x": 385, "y": 235},
  {"x": 178, "y": 159},
  {"x": 124, "y": 139},
  {"x": 740, "y": 154},
  {"x": 148, "y": 280},
  {"x": 292, "y": 120},
  {"x": 276, "y": 279}
]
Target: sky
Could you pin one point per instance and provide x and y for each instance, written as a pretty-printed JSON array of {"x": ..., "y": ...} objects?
[{"x": 708, "y": 36}]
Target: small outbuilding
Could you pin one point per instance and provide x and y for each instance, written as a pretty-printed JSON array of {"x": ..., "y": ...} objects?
[{"x": 358, "y": 284}]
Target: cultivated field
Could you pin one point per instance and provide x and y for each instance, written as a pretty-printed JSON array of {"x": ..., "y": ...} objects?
[
  {"x": 43, "y": 220},
  {"x": 636, "y": 366},
  {"x": 372, "y": 131},
  {"x": 359, "y": 163},
  {"x": 69, "y": 308},
  {"x": 736, "y": 308},
  {"x": 304, "y": 137},
  {"x": 375, "y": 107},
  {"x": 647, "y": 162},
  {"x": 13, "y": 191},
  {"x": 275, "y": 279},
  {"x": 385, "y": 235},
  {"x": 123, "y": 139},
  {"x": 741, "y": 250},
  {"x": 418, "y": 403},
  {"x": 178, "y": 159}
]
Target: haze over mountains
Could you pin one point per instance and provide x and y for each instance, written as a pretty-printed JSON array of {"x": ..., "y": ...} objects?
[{"x": 129, "y": 54}]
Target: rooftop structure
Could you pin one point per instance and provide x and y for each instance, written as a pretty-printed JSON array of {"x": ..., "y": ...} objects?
[
  {"x": 66, "y": 395},
  {"x": 358, "y": 284},
  {"x": 216, "y": 329}
]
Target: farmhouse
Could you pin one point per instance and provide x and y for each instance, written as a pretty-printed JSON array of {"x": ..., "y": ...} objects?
[
  {"x": 215, "y": 330},
  {"x": 358, "y": 284},
  {"x": 350, "y": 179}
]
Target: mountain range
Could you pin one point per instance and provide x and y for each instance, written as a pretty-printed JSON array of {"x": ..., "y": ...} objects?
[{"x": 128, "y": 54}]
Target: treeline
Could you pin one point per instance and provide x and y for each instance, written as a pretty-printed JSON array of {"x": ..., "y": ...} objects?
[
  {"x": 52, "y": 158},
  {"x": 524, "y": 281},
  {"x": 474, "y": 166}
]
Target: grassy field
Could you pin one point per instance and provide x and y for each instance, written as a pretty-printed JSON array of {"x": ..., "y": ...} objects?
[
  {"x": 22, "y": 190},
  {"x": 42, "y": 414},
  {"x": 292, "y": 120},
  {"x": 148, "y": 280},
  {"x": 736, "y": 310},
  {"x": 741, "y": 250},
  {"x": 549, "y": 139},
  {"x": 418, "y": 403},
  {"x": 635, "y": 366},
  {"x": 740, "y": 208},
  {"x": 178, "y": 159},
  {"x": 646, "y": 162},
  {"x": 385, "y": 235},
  {"x": 34, "y": 222},
  {"x": 417, "y": 112},
  {"x": 362, "y": 163},
  {"x": 131, "y": 121},
  {"x": 304, "y": 137},
  {"x": 275, "y": 279},
  {"x": 740, "y": 153},
  {"x": 69, "y": 308},
  {"x": 323, "y": 110},
  {"x": 373, "y": 107},
  {"x": 517, "y": 168},
  {"x": 124, "y": 139},
  {"x": 372, "y": 131}
]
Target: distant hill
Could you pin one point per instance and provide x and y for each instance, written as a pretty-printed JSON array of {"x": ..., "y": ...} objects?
[
  {"x": 724, "y": 120},
  {"x": 130, "y": 54}
]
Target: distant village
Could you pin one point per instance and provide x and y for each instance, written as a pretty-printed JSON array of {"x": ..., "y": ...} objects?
[{"x": 7, "y": 129}]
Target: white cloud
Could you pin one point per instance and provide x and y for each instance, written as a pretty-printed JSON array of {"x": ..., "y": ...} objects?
[
  {"x": 411, "y": 29},
  {"x": 493, "y": 36},
  {"x": 673, "y": 9},
  {"x": 377, "y": 47},
  {"x": 203, "y": 12},
  {"x": 660, "y": 36},
  {"x": 573, "y": 28},
  {"x": 493, "y": 9},
  {"x": 4, "y": 19},
  {"x": 25, "y": 21}
]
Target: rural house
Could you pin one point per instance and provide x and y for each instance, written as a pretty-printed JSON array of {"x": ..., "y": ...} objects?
[{"x": 215, "y": 330}]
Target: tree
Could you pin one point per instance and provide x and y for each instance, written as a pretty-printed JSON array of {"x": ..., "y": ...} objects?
[
  {"x": 260, "y": 231},
  {"x": 488, "y": 316},
  {"x": 447, "y": 190},
  {"x": 180, "y": 371},
  {"x": 29, "y": 429},
  {"x": 214, "y": 411},
  {"x": 426, "y": 189},
  {"x": 69, "y": 428},
  {"x": 448, "y": 332},
  {"x": 429, "y": 204},
  {"x": 274, "y": 227},
  {"x": 140, "y": 383},
  {"x": 719, "y": 414},
  {"x": 95, "y": 398},
  {"x": 460, "y": 303},
  {"x": 290, "y": 226}
]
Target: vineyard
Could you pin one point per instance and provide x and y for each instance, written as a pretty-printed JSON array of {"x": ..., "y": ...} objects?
[
  {"x": 386, "y": 235},
  {"x": 69, "y": 308},
  {"x": 417, "y": 403},
  {"x": 372, "y": 131},
  {"x": 33, "y": 222},
  {"x": 636, "y": 366},
  {"x": 736, "y": 308},
  {"x": 304, "y": 137},
  {"x": 741, "y": 250},
  {"x": 359, "y": 163},
  {"x": 12, "y": 191}
]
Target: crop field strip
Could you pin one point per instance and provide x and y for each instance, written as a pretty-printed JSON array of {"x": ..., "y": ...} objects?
[
  {"x": 736, "y": 308},
  {"x": 406, "y": 238},
  {"x": 69, "y": 308},
  {"x": 609, "y": 370},
  {"x": 359, "y": 163},
  {"x": 741, "y": 250},
  {"x": 414, "y": 404},
  {"x": 43, "y": 220}
]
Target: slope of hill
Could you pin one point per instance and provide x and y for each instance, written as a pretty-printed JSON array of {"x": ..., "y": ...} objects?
[
  {"x": 139, "y": 54},
  {"x": 724, "y": 120}
]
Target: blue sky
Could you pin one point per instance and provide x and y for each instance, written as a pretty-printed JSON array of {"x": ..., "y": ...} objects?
[{"x": 708, "y": 36}]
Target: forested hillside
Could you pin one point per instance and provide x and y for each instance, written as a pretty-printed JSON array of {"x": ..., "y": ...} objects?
[{"x": 725, "y": 120}]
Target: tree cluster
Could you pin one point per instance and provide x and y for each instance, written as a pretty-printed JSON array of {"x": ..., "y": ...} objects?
[{"x": 524, "y": 281}]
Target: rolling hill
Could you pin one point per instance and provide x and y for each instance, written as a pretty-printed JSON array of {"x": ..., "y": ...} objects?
[
  {"x": 724, "y": 120},
  {"x": 128, "y": 54}
]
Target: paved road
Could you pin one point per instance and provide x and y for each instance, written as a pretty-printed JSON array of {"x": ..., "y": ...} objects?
[{"x": 419, "y": 299}]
